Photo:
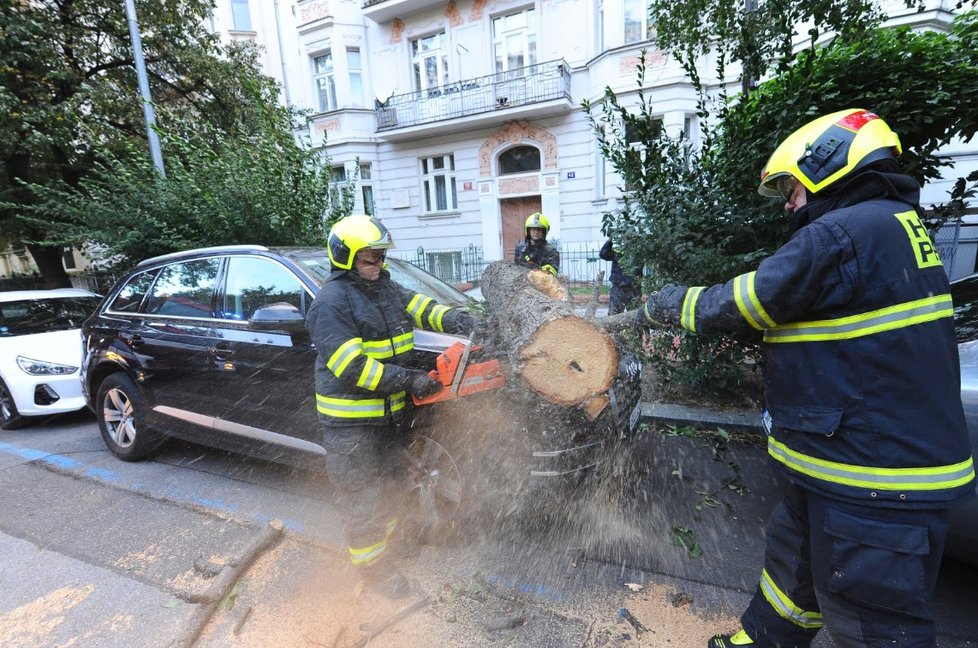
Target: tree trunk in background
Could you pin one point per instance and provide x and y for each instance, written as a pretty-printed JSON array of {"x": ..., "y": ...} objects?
[
  {"x": 559, "y": 356},
  {"x": 48, "y": 260}
]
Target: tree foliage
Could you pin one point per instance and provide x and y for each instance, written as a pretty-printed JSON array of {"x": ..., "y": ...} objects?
[
  {"x": 70, "y": 106},
  {"x": 757, "y": 36},
  {"x": 264, "y": 188},
  {"x": 692, "y": 215}
]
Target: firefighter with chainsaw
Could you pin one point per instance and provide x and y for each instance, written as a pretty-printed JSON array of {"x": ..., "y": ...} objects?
[
  {"x": 534, "y": 251},
  {"x": 362, "y": 324},
  {"x": 862, "y": 392}
]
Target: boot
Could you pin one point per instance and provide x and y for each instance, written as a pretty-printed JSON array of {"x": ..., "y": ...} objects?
[
  {"x": 730, "y": 641},
  {"x": 389, "y": 583}
]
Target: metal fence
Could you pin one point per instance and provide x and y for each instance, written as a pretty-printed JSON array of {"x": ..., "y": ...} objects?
[
  {"x": 946, "y": 242},
  {"x": 578, "y": 263}
]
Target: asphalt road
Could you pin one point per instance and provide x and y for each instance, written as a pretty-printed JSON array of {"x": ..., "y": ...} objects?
[{"x": 95, "y": 551}]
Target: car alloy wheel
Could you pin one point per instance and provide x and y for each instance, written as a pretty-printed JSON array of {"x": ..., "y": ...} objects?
[{"x": 120, "y": 413}]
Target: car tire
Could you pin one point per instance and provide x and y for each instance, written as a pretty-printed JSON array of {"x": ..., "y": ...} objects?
[
  {"x": 10, "y": 418},
  {"x": 121, "y": 412}
]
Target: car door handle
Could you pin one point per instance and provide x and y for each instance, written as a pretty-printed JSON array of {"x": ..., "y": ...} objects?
[{"x": 221, "y": 351}]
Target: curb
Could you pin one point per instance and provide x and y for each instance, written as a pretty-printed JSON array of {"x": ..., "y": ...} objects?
[{"x": 743, "y": 420}]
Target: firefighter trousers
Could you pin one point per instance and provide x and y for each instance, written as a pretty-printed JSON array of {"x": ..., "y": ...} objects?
[
  {"x": 364, "y": 464},
  {"x": 622, "y": 297},
  {"x": 866, "y": 573}
]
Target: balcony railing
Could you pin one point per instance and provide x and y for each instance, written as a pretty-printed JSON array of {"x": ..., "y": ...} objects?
[{"x": 494, "y": 92}]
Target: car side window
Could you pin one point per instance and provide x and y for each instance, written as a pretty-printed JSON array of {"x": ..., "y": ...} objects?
[
  {"x": 184, "y": 289},
  {"x": 253, "y": 282},
  {"x": 131, "y": 295}
]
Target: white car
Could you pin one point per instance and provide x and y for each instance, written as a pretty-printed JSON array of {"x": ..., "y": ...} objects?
[{"x": 41, "y": 352}]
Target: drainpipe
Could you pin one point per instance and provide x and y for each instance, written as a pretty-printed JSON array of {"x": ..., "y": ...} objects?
[{"x": 281, "y": 56}]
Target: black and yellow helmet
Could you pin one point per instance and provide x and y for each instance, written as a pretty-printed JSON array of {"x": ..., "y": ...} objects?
[
  {"x": 537, "y": 220},
  {"x": 829, "y": 148},
  {"x": 353, "y": 233}
]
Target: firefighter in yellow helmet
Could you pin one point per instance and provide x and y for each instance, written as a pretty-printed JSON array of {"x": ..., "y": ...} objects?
[
  {"x": 534, "y": 251},
  {"x": 862, "y": 392},
  {"x": 362, "y": 324}
]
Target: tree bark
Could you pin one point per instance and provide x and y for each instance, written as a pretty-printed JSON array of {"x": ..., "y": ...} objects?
[
  {"x": 592, "y": 306},
  {"x": 564, "y": 359},
  {"x": 48, "y": 260},
  {"x": 615, "y": 325}
]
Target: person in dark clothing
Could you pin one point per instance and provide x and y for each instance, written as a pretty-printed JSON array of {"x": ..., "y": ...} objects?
[
  {"x": 534, "y": 251},
  {"x": 362, "y": 324},
  {"x": 862, "y": 393},
  {"x": 626, "y": 288}
]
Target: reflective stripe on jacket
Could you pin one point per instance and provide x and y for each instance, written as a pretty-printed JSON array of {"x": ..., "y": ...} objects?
[
  {"x": 364, "y": 334},
  {"x": 862, "y": 380}
]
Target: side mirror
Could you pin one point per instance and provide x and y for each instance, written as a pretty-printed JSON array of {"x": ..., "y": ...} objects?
[{"x": 277, "y": 317}]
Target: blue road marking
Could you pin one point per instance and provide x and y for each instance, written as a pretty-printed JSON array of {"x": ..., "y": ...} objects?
[
  {"x": 65, "y": 463},
  {"x": 537, "y": 589}
]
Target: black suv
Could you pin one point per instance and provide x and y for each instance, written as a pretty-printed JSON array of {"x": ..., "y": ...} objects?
[{"x": 209, "y": 345}]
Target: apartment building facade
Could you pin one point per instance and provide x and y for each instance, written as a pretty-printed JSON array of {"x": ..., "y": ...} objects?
[{"x": 458, "y": 119}]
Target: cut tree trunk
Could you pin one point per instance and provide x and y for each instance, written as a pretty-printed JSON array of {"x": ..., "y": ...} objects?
[{"x": 564, "y": 359}]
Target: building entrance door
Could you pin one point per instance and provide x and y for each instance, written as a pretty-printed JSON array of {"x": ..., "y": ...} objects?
[{"x": 513, "y": 212}]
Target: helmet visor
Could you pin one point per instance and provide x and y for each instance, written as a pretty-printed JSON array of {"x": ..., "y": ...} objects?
[{"x": 786, "y": 185}]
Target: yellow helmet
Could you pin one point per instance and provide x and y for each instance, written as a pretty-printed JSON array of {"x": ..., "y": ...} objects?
[
  {"x": 829, "y": 148},
  {"x": 353, "y": 233},
  {"x": 537, "y": 220}
]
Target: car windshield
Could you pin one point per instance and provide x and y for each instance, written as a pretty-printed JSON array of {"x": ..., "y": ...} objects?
[
  {"x": 30, "y": 316},
  {"x": 408, "y": 275}
]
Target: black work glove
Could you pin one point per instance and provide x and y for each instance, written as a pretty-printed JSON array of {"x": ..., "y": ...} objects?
[
  {"x": 639, "y": 321},
  {"x": 466, "y": 322},
  {"x": 422, "y": 385},
  {"x": 663, "y": 308}
]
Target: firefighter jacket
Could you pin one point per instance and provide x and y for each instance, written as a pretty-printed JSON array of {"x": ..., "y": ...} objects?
[
  {"x": 364, "y": 334},
  {"x": 541, "y": 256},
  {"x": 862, "y": 382}
]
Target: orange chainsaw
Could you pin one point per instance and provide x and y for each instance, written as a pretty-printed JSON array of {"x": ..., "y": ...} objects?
[{"x": 459, "y": 378}]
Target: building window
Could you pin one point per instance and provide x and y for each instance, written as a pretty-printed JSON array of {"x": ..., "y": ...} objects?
[
  {"x": 430, "y": 61},
  {"x": 367, "y": 189},
  {"x": 438, "y": 182},
  {"x": 636, "y": 20},
  {"x": 600, "y": 171},
  {"x": 240, "y": 15},
  {"x": 325, "y": 83},
  {"x": 355, "y": 70},
  {"x": 638, "y": 145},
  {"x": 514, "y": 41},
  {"x": 519, "y": 159},
  {"x": 68, "y": 258},
  {"x": 600, "y": 26}
]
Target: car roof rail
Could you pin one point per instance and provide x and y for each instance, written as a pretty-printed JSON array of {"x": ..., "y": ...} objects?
[{"x": 216, "y": 248}]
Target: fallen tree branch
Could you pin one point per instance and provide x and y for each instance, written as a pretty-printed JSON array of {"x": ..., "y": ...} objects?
[
  {"x": 224, "y": 581},
  {"x": 592, "y": 305}
]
